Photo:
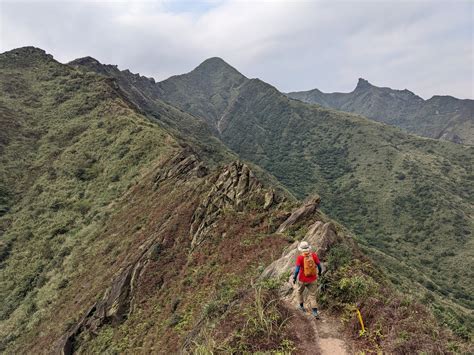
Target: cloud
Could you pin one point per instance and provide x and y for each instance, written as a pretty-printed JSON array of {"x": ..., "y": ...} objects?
[{"x": 424, "y": 46}]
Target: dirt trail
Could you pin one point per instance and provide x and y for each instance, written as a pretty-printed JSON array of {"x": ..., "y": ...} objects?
[{"x": 318, "y": 336}]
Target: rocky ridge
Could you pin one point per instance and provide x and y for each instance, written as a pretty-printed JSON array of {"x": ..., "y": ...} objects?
[
  {"x": 233, "y": 186},
  {"x": 440, "y": 117},
  {"x": 117, "y": 302}
]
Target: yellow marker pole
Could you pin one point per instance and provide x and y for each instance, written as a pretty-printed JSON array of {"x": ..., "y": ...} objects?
[{"x": 360, "y": 321}]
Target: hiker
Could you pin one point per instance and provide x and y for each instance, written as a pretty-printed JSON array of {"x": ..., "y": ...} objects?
[{"x": 306, "y": 264}]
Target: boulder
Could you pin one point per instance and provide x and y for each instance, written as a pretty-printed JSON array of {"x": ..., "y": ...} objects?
[
  {"x": 269, "y": 199},
  {"x": 233, "y": 187},
  {"x": 321, "y": 236},
  {"x": 308, "y": 208}
]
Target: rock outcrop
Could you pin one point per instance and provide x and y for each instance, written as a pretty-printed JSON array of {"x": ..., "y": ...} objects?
[
  {"x": 184, "y": 163},
  {"x": 321, "y": 236},
  {"x": 116, "y": 304},
  {"x": 234, "y": 187},
  {"x": 307, "y": 209},
  {"x": 269, "y": 199}
]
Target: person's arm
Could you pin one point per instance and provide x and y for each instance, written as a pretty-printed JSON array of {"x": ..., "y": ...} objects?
[
  {"x": 318, "y": 263},
  {"x": 297, "y": 270}
]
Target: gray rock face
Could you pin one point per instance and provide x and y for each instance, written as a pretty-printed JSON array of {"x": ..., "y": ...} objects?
[
  {"x": 115, "y": 305},
  {"x": 233, "y": 187},
  {"x": 184, "y": 163},
  {"x": 321, "y": 236},
  {"x": 308, "y": 208}
]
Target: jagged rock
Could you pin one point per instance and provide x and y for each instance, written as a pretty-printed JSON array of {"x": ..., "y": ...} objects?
[
  {"x": 232, "y": 187},
  {"x": 201, "y": 170},
  {"x": 269, "y": 199},
  {"x": 115, "y": 305},
  {"x": 308, "y": 208},
  {"x": 66, "y": 343},
  {"x": 184, "y": 163},
  {"x": 321, "y": 236}
]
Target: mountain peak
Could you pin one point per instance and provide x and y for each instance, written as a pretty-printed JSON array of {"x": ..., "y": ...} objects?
[
  {"x": 363, "y": 84},
  {"x": 216, "y": 64},
  {"x": 28, "y": 50},
  {"x": 85, "y": 61},
  {"x": 91, "y": 64}
]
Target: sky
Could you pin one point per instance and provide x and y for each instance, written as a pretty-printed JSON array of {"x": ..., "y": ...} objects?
[{"x": 424, "y": 46}]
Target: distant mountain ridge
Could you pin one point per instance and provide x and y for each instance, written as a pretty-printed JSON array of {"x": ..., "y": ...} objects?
[{"x": 440, "y": 117}]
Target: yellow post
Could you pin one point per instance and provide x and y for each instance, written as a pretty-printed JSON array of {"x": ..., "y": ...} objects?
[{"x": 362, "y": 332}]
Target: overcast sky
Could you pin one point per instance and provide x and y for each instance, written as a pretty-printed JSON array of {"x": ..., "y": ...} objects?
[{"x": 424, "y": 46}]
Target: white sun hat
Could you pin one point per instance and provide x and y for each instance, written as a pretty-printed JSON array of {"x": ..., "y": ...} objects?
[{"x": 304, "y": 247}]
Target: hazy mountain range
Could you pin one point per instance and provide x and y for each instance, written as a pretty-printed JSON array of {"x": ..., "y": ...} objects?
[{"x": 441, "y": 117}]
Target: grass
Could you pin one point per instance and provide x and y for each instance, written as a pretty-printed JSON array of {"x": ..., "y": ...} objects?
[
  {"x": 265, "y": 326},
  {"x": 265, "y": 318},
  {"x": 83, "y": 148}
]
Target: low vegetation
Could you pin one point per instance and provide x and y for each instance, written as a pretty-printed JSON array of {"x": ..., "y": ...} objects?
[
  {"x": 105, "y": 192},
  {"x": 77, "y": 148},
  {"x": 391, "y": 318},
  {"x": 405, "y": 196}
]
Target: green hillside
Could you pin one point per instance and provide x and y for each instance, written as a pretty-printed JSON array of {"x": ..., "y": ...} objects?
[
  {"x": 440, "y": 117},
  {"x": 91, "y": 186},
  {"x": 189, "y": 129},
  {"x": 406, "y": 196},
  {"x": 121, "y": 234},
  {"x": 75, "y": 147}
]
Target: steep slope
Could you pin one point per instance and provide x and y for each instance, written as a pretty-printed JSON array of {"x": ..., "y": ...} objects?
[
  {"x": 441, "y": 117},
  {"x": 212, "y": 74},
  {"x": 95, "y": 193},
  {"x": 124, "y": 238},
  {"x": 194, "y": 130},
  {"x": 142, "y": 92},
  {"x": 207, "y": 91},
  {"x": 406, "y": 196},
  {"x": 205, "y": 85},
  {"x": 74, "y": 146}
]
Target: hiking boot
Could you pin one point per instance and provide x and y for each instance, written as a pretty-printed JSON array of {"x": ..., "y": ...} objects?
[{"x": 315, "y": 314}]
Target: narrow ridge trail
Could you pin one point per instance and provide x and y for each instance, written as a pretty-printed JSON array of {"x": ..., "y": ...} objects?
[
  {"x": 311, "y": 335},
  {"x": 318, "y": 336}
]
